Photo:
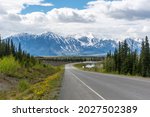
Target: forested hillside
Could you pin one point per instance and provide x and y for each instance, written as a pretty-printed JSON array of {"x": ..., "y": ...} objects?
[{"x": 24, "y": 77}]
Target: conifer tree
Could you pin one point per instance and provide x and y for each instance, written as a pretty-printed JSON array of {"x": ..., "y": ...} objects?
[{"x": 145, "y": 58}]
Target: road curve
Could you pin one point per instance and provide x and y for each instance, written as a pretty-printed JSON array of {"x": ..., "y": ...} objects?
[{"x": 83, "y": 85}]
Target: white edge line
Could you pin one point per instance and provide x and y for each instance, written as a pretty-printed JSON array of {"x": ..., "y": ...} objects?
[{"x": 88, "y": 87}]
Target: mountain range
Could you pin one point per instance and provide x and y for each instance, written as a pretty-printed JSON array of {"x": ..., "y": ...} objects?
[{"x": 51, "y": 44}]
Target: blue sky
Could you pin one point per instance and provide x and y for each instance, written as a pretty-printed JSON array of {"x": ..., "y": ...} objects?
[{"x": 79, "y": 4}]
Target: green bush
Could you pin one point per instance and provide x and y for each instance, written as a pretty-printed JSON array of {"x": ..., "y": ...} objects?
[
  {"x": 23, "y": 85},
  {"x": 9, "y": 65}
]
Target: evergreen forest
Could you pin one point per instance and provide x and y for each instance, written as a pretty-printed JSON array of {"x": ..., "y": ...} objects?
[{"x": 126, "y": 60}]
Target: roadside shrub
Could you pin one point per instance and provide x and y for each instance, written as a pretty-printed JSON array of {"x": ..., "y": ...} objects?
[
  {"x": 9, "y": 65},
  {"x": 23, "y": 85}
]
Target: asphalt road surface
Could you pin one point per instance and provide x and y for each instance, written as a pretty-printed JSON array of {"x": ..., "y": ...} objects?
[{"x": 83, "y": 85}]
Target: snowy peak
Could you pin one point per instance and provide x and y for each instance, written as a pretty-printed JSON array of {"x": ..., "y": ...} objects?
[
  {"x": 50, "y": 35},
  {"x": 88, "y": 35},
  {"x": 86, "y": 39}
]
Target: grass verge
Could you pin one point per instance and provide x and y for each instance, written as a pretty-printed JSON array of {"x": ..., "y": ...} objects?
[{"x": 47, "y": 89}]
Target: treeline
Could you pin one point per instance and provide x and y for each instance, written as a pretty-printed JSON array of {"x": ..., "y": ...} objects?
[
  {"x": 7, "y": 48},
  {"x": 126, "y": 60},
  {"x": 72, "y": 58}
]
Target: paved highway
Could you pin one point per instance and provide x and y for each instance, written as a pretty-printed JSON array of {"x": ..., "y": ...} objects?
[{"x": 83, "y": 85}]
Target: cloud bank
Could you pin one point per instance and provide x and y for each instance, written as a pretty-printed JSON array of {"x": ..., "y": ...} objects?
[{"x": 104, "y": 18}]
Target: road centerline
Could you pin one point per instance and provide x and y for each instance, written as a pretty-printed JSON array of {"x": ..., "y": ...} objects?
[{"x": 101, "y": 97}]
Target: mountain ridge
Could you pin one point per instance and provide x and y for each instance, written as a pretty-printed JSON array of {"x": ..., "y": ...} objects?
[{"x": 51, "y": 44}]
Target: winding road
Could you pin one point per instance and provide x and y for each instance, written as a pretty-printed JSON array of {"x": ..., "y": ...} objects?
[{"x": 83, "y": 85}]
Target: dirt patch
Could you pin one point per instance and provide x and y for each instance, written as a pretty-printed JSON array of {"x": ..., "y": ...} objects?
[{"x": 6, "y": 83}]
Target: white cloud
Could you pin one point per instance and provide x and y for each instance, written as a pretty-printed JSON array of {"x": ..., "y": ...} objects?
[
  {"x": 68, "y": 15},
  {"x": 117, "y": 19},
  {"x": 16, "y": 6},
  {"x": 146, "y": 29},
  {"x": 34, "y": 18},
  {"x": 123, "y": 9}
]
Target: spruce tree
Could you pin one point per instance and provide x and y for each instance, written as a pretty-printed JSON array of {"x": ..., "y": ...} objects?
[{"x": 145, "y": 58}]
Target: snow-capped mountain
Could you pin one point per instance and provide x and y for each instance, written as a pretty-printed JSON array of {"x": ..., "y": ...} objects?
[{"x": 50, "y": 44}]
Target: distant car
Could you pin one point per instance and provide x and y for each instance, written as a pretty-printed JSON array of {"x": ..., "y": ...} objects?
[{"x": 90, "y": 66}]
